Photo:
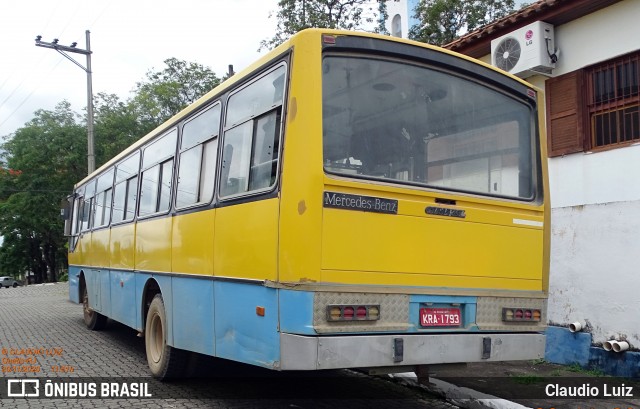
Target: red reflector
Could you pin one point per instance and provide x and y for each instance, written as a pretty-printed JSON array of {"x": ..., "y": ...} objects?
[
  {"x": 348, "y": 313},
  {"x": 519, "y": 314},
  {"x": 527, "y": 314},
  {"x": 327, "y": 39},
  {"x": 361, "y": 312}
]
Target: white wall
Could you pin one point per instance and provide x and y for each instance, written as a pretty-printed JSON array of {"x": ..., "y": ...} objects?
[
  {"x": 598, "y": 36},
  {"x": 398, "y": 7},
  {"x": 595, "y": 198},
  {"x": 595, "y": 260},
  {"x": 593, "y": 178}
]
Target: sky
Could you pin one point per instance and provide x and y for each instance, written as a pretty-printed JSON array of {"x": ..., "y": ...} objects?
[{"x": 128, "y": 39}]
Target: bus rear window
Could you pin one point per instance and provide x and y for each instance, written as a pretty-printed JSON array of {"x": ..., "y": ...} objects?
[{"x": 405, "y": 123}]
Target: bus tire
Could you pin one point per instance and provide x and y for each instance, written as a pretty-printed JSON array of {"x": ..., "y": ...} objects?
[
  {"x": 165, "y": 362},
  {"x": 92, "y": 319}
]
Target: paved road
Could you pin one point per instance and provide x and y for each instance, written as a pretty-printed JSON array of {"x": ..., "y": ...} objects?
[{"x": 41, "y": 330}]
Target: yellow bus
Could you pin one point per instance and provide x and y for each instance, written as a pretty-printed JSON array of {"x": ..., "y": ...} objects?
[{"x": 350, "y": 200}]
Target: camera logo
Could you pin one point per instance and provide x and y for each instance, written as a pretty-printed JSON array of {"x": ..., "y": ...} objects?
[{"x": 23, "y": 388}]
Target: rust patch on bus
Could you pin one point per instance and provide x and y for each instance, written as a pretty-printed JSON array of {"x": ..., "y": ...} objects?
[
  {"x": 302, "y": 207},
  {"x": 293, "y": 109}
]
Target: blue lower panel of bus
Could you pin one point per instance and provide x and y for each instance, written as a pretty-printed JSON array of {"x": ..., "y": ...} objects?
[
  {"x": 296, "y": 312},
  {"x": 74, "y": 284},
  {"x": 241, "y": 333},
  {"x": 193, "y": 315},
  {"x": 228, "y": 319}
]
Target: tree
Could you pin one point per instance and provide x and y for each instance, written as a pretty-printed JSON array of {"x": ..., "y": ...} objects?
[
  {"x": 442, "y": 21},
  {"x": 296, "y": 15},
  {"x": 116, "y": 125},
  {"x": 43, "y": 160},
  {"x": 168, "y": 91},
  {"x": 383, "y": 16}
]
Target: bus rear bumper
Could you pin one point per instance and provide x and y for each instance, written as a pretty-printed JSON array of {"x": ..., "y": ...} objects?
[{"x": 365, "y": 351}]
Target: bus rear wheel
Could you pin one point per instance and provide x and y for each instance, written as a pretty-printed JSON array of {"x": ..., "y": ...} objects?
[
  {"x": 165, "y": 362},
  {"x": 93, "y": 320}
]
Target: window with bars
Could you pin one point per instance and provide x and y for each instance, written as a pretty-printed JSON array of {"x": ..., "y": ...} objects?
[
  {"x": 595, "y": 107},
  {"x": 613, "y": 98}
]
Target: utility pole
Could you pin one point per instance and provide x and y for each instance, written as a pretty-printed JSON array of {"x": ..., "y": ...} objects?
[{"x": 63, "y": 49}]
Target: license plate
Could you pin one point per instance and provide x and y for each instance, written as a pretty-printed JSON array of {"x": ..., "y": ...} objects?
[{"x": 440, "y": 317}]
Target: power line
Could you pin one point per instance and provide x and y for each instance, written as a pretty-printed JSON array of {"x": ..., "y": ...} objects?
[{"x": 27, "y": 97}]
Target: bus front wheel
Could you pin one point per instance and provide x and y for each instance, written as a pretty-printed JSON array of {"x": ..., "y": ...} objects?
[{"x": 164, "y": 361}]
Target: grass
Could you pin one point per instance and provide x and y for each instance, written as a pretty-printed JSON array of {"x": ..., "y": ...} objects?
[{"x": 578, "y": 369}]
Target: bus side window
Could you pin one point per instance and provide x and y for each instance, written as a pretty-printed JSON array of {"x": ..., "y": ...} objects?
[
  {"x": 157, "y": 174},
  {"x": 103, "y": 199},
  {"x": 227, "y": 157},
  {"x": 86, "y": 214},
  {"x": 77, "y": 215},
  {"x": 126, "y": 188},
  {"x": 198, "y": 150},
  {"x": 265, "y": 152},
  {"x": 235, "y": 159},
  {"x": 251, "y": 139},
  {"x": 76, "y": 220},
  {"x": 88, "y": 206}
]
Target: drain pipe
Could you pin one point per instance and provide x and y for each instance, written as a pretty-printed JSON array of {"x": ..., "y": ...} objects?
[
  {"x": 576, "y": 326},
  {"x": 608, "y": 345},
  {"x": 615, "y": 346},
  {"x": 620, "y": 346}
]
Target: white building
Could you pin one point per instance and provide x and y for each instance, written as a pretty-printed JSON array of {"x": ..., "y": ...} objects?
[
  {"x": 401, "y": 17},
  {"x": 593, "y": 133}
]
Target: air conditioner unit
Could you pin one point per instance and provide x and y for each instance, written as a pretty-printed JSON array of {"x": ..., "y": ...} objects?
[{"x": 526, "y": 51}]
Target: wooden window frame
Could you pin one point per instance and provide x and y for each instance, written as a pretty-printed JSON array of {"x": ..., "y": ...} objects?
[{"x": 572, "y": 106}]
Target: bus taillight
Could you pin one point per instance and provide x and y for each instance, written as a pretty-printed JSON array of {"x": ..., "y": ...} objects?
[
  {"x": 353, "y": 312},
  {"x": 521, "y": 314}
]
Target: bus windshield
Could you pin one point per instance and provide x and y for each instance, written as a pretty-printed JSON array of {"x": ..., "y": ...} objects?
[{"x": 406, "y": 123}]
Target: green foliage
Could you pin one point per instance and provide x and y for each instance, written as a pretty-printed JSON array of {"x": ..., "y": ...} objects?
[
  {"x": 116, "y": 126},
  {"x": 48, "y": 155},
  {"x": 296, "y": 15},
  {"x": 45, "y": 157},
  {"x": 442, "y": 21},
  {"x": 168, "y": 91},
  {"x": 383, "y": 16},
  {"x": 576, "y": 367}
]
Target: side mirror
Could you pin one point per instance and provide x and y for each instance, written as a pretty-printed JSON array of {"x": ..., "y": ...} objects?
[{"x": 65, "y": 211}]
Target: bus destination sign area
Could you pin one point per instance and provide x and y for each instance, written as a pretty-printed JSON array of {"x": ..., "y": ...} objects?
[{"x": 362, "y": 203}]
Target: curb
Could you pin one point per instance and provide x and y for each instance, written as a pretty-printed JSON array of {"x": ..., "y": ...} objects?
[{"x": 457, "y": 395}]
